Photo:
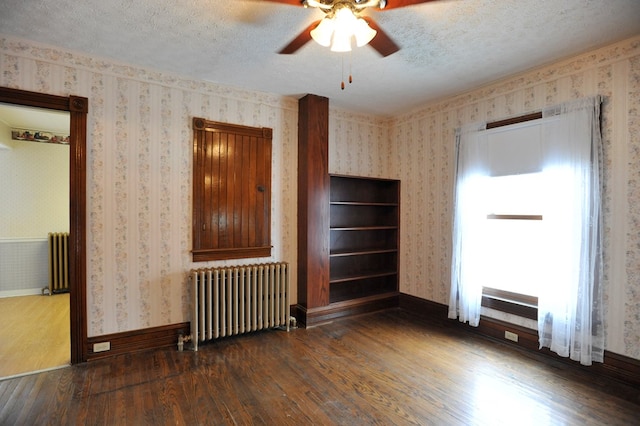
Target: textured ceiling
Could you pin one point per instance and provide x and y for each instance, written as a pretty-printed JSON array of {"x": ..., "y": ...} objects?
[{"x": 447, "y": 46}]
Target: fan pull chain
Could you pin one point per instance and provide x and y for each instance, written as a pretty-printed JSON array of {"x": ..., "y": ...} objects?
[
  {"x": 350, "y": 62},
  {"x": 350, "y": 76},
  {"x": 342, "y": 82}
]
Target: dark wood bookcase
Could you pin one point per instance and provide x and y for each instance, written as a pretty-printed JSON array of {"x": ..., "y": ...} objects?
[
  {"x": 348, "y": 230},
  {"x": 364, "y": 241}
]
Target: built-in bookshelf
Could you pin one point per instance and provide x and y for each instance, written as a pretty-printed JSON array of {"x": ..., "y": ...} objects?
[{"x": 364, "y": 239}]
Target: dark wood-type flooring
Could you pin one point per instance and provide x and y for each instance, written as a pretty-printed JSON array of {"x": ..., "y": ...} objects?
[{"x": 384, "y": 368}]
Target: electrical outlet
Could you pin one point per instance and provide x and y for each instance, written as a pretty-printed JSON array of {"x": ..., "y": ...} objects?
[
  {"x": 101, "y": 347},
  {"x": 510, "y": 336}
]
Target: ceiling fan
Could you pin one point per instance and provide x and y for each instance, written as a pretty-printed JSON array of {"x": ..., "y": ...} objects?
[{"x": 330, "y": 31}]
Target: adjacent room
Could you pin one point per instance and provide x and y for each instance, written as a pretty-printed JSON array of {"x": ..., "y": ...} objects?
[
  {"x": 320, "y": 211},
  {"x": 34, "y": 183}
]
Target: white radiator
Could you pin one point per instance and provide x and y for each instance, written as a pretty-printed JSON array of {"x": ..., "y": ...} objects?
[{"x": 238, "y": 299}]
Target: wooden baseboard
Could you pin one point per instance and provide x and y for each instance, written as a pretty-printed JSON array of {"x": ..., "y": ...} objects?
[
  {"x": 137, "y": 340},
  {"x": 311, "y": 317},
  {"x": 615, "y": 366}
]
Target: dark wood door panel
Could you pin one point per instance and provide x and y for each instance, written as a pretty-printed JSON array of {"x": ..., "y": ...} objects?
[{"x": 231, "y": 191}]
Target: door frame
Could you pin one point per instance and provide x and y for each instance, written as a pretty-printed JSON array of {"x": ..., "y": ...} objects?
[{"x": 78, "y": 110}]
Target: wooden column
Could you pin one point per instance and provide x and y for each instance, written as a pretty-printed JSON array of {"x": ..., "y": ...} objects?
[{"x": 313, "y": 208}]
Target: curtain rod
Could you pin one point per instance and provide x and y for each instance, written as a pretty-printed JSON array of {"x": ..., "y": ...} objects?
[{"x": 515, "y": 120}]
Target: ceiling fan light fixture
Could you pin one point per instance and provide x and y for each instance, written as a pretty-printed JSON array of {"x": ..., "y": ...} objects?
[
  {"x": 338, "y": 28},
  {"x": 344, "y": 21},
  {"x": 316, "y": 3},
  {"x": 344, "y": 18},
  {"x": 341, "y": 41},
  {"x": 363, "y": 32},
  {"x": 323, "y": 32}
]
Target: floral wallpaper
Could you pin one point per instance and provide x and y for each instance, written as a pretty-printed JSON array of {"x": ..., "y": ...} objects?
[
  {"x": 139, "y": 173},
  {"x": 359, "y": 145},
  {"x": 424, "y": 140},
  {"x": 139, "y": 176}
]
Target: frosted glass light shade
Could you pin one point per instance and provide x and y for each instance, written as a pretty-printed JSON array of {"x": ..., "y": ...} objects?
[
  {"x": 341, "y": 41},
  {"x": 323, "y": 32},
  {"x": 363, "y": 32},
  {"x": 338, "y": 30}
]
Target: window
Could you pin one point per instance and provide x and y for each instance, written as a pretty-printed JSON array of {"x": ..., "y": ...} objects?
[
  {"x": 231, "y": 191},
  {"x": 515, "y": 234},
  {"x": 527, "y": 220},
  {"x": 509, "y": 202}
]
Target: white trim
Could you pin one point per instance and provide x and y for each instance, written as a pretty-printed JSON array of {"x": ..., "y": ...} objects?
[
  {"x": 28, "y": 373},
  {"x": 21, "y": 292},
  {"x": 22, "y": 240}
]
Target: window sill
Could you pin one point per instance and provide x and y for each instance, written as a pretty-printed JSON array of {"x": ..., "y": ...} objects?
[{"x": 511, "y": 303}]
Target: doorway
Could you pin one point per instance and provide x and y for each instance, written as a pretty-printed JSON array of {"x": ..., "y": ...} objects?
[
  {"x": 34, "y": 189},
  {"x": 77, "y": 108}
]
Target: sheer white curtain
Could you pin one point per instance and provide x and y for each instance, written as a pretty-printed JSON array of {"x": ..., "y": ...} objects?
[
  {"x": 570, "y": 298},
  {"x": 468, "y": 272}
]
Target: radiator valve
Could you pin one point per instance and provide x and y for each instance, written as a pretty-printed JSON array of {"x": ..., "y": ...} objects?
[{"x": 182, "y": 340}]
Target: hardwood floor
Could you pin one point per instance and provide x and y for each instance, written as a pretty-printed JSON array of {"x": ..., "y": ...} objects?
[
  {"x": 35, "y": 333},
  {"x": 383, "y": 368}
]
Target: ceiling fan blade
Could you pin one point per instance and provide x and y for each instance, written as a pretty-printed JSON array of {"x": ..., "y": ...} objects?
[
  {"x": 291, "y": 2},
  {"x": 395, "y": 4},
  {"x": 381, "y": 42},
  {"x": 300, "y": 40}
]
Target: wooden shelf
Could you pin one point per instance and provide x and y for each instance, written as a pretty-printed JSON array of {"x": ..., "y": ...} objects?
[
  {"x": 354, "y": 203},
  {"x": 349, "y": 307},
  {"x": 363, "y": 276},
  {"x": 364, "y": 242},
  {"x": 361, "y": 252},
  {"x": 380, "y": 296},
  {"x": 362, "y": 228}
]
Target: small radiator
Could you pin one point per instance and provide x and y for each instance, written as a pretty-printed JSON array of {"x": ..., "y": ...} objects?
[
  {"x": 238, "y": 299},
  {"x": 58, "y": 262}
]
